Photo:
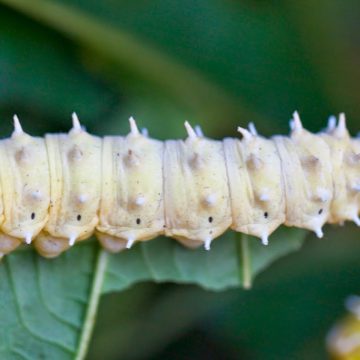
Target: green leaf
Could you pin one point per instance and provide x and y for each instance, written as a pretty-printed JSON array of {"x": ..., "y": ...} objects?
[
  {"x": 49, "y": 306},
  {"x": 223, "y": 267},
  {"x": 43, "y": 303}
]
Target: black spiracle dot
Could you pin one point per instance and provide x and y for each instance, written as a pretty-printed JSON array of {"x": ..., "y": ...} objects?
[
  {"x": 320, "y": 211},
  {"x": 138, "y": 221},
  {"x": 32, "y": 216},
  {"x": 266, "y": 214},
  {"x": 210, "y": 219},
  {"x": 78, "y": 218}
]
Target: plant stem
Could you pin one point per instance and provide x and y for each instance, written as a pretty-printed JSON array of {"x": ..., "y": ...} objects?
[
  {"x": 91, "y": 311},
  {"x": 246, "y": 262}
]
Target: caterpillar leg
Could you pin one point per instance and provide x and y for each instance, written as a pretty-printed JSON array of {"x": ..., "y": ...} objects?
[
  {"x": 193, "y": 244},
  {"x": 8, "y": 244},
  {"x": 50, "y": 246},
  {"x": 113, "y": 244}
]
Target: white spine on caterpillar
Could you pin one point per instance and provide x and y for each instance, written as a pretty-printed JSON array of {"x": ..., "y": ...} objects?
[
  {"x": 59, "y": 190},
  {"x": 199, "y": 131}
]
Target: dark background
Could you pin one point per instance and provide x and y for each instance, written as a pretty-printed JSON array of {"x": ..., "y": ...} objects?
[{"x": 219, "y": 64}]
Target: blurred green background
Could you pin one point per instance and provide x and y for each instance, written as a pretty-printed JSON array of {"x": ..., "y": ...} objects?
[{"x": 218, "y": 64}]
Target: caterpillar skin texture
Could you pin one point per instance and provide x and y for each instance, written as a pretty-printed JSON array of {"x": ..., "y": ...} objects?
[{"x": 63, "y": 188}]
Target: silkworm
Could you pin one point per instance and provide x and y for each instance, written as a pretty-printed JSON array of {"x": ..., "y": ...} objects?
[{"x": 63, "y": 188}]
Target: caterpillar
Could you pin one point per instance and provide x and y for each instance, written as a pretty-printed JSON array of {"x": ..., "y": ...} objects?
[{"x": 63, "y": 188}]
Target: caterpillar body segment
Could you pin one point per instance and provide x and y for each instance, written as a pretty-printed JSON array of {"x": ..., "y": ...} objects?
[
  {"x": 255, "y": 181},
  {"x": 305, "y": 202},
  {"x": 315, "y": 159},
  {"x": 75, "y": 183},
  {"x": 346, "y": 174},
  {"x": 307, "y": 177},
  {"x": 61, "y": 189},
  {"x": 132, "y": 206},
  {"x": 196, "y": 193},
  {"x": 355, "y": 160},
  {"x": 24, "y": 173}
]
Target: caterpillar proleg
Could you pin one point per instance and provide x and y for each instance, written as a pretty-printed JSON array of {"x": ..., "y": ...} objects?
[{"x": 61, "y": 189}]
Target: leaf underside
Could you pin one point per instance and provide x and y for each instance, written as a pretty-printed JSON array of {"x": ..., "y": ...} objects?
[{"x": 44, "y": 302}]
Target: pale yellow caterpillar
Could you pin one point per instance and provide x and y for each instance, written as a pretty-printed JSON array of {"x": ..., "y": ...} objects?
[{"x": 66, "y": 187}]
